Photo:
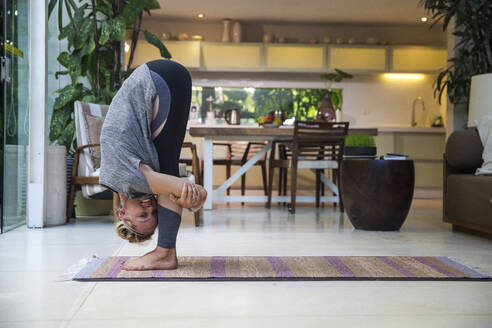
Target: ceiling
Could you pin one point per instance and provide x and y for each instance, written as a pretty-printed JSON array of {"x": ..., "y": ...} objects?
[{"x": 314, "y": 11}]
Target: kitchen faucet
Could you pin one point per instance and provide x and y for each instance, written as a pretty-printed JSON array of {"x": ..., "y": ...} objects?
[{"x": 418, "y": 99}]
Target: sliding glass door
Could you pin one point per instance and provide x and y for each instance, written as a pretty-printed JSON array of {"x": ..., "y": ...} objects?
[{"x": 14, "y": 112}]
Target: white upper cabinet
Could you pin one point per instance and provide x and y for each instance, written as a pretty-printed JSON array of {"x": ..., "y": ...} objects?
[
  {"x": 268, "y": 57},
  {"x": 231, "y": 56},
  {"x": 279, "y": 57},
  {"x": 357, "y": 59},
  {"x": 418, "y": 59},
  {"x": 186, "y": 53}
]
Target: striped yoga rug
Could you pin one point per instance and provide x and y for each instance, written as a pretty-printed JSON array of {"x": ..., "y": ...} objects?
[{"x": 223, "y": 268}]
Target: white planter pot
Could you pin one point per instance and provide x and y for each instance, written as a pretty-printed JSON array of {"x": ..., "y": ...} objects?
[
  {"x": 338, "y": 115},
  {"x": 56, "y": 186},
  {"x": 480, "y": 98}
]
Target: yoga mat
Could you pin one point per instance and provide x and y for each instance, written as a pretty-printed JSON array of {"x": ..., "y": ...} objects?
[{"x": 236, "y": 268}]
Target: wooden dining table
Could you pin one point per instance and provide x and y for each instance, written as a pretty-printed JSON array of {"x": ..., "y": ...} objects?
[{"x": 225, "y": 132}]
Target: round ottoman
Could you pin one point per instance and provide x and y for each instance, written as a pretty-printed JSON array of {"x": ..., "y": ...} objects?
[{"x": 377, "y": 194}]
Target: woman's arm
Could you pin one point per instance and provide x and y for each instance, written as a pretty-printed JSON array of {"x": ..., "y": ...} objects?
[
  {"x": 160, "y": 183},
  {"x": 179, "y": 190}
]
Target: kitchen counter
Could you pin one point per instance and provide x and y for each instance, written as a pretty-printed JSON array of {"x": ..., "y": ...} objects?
[{"x": 408, "y": 129}]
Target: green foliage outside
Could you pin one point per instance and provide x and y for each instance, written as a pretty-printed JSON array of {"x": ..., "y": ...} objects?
[
  {"x": 95, "y": 32},
  {"x": 359, "y": 140},
  {"x": 256, "y": 102}
]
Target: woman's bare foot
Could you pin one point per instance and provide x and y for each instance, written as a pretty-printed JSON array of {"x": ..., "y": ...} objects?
[{"x": 159, "y": 259}]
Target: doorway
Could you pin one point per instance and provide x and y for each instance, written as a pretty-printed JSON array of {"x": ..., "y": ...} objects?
[{"x": 14, "y": 118}]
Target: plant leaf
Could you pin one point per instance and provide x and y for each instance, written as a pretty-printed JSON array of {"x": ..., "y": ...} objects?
[
  {"x": 64, "y": 59},
  {"x": 51, "y": 6},
  {"x": 59, "y": 120},
  {"x": 154, "y": 40},
  {"x": 67, "y": 94},
  {"x": 105, "y": 33}
]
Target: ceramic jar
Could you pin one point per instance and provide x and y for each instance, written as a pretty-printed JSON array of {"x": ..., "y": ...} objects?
[
  {"x": 236, "y": 32},
  {"x": 226, "y": 33}
]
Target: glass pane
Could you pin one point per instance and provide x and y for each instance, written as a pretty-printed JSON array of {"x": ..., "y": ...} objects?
[
  {"x": 15, "y": 113},
  {"x": 254, "y": 103}
]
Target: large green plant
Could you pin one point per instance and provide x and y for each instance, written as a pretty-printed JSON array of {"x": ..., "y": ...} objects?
[
  {"x": 95, "y": 32},
  {"x": 473, "y": 51}
]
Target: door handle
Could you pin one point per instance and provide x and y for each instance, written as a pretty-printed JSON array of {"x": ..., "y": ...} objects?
[{"x": 5, "y": 70}]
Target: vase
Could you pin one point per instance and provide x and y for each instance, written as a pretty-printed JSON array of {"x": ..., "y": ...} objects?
[
  {"x": 56, "y": 190},
  {"x": 236, "y": 32},
  {"x": 338, "y": 116},
  {"x": 226, "y": 33},
  {"x": 326, "y": 112}
]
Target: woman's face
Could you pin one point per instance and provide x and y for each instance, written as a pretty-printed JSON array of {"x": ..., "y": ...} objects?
[{"x": 139, "y": 213}]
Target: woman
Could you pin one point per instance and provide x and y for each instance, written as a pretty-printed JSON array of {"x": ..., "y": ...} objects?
[{"x": 141, "y": 141}]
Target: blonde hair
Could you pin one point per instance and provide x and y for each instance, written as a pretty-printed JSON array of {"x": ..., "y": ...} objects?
[{"x": 127, "y": 231}]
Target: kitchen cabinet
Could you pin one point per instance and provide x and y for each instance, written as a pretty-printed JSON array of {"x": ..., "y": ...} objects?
[
  {"x": 357, "y": 58},
  {"x": 425, "y": 148},
  {"x": 417, "y": 59},
  {"x": 187, "y": 53},
  {"x": 231, "y": 56},
  {"x": 302, "y": 58},
  {"x": 283, "y": 57}
]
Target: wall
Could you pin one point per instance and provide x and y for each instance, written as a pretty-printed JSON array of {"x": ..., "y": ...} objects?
[{"x": 368, "y": 100}]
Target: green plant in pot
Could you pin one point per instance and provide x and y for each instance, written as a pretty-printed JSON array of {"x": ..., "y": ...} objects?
[
  {"x": 95, "y": 33},
  {"x": 360, "y": 146},
  {"x": 331, "y": 102},
  {"x": 473, "y": 50}
]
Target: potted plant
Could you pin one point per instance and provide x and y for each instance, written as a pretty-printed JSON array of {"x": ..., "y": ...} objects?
[
  {"x": 473, "y": 50},
  {"x": 360, "y": 146},
  {"x": 331, "y": 104},
  {"x": 95, "y": 32}
]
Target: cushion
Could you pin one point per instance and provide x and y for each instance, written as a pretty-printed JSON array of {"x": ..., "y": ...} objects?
[
  {"x": 485, "y": 131},
  {"x": 469, "y": 199},
  {"x": 464, "y": 149},
  {"x": 94, "y": 126}
]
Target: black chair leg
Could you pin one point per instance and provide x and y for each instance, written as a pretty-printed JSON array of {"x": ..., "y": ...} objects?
[
  {"x": 264, "y": 177},
  {"x": 228, "y": 175},
  {"x": 342, "y": 207},
  {"x": 318, "y": 187},
  {"x": 293, "y": 187},
  {"x": 280, "y": 180},
  {"x": 243, "y": 185},
  {"x": 334, "y": 174}
]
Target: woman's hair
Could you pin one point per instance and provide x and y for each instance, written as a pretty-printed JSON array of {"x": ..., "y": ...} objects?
[{"x": 124, "y": 228}]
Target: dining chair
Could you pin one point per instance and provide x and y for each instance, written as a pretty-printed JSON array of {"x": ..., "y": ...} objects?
[
  {"x": 238, "y": 153},
  {"x": 315, "y": 145},
  {"x": 194, "y": 162}
]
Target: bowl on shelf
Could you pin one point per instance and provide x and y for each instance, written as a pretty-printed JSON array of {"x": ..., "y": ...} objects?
[{"x": 271, "y": 125}]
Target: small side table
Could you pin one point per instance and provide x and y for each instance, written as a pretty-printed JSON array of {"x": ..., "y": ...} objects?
[{"x": 377, "y": 193}]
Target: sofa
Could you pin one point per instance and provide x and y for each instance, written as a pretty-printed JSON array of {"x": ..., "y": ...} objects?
[{"x": 467, "y": 198}]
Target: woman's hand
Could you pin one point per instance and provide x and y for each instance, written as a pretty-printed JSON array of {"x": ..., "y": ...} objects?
[{"x": 191, "y": 196}]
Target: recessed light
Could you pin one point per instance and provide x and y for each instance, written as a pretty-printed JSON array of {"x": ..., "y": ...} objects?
[
  {"x": 200, "y": 15},
  {"x": 423, "y": 19},
  {"x": 127, "y": 47}
]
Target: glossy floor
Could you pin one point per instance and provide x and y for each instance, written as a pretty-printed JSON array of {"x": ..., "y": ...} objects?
[{"x": 35, "y": 293}]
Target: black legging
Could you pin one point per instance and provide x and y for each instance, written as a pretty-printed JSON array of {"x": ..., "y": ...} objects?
[{"x": 169, "y": 141}]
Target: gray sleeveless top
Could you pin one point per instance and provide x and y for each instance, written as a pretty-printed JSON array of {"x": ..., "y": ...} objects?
[{"x": 126, "y": 135}]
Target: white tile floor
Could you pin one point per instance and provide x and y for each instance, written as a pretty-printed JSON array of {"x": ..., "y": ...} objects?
[{"x": 32, "y": 293}]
